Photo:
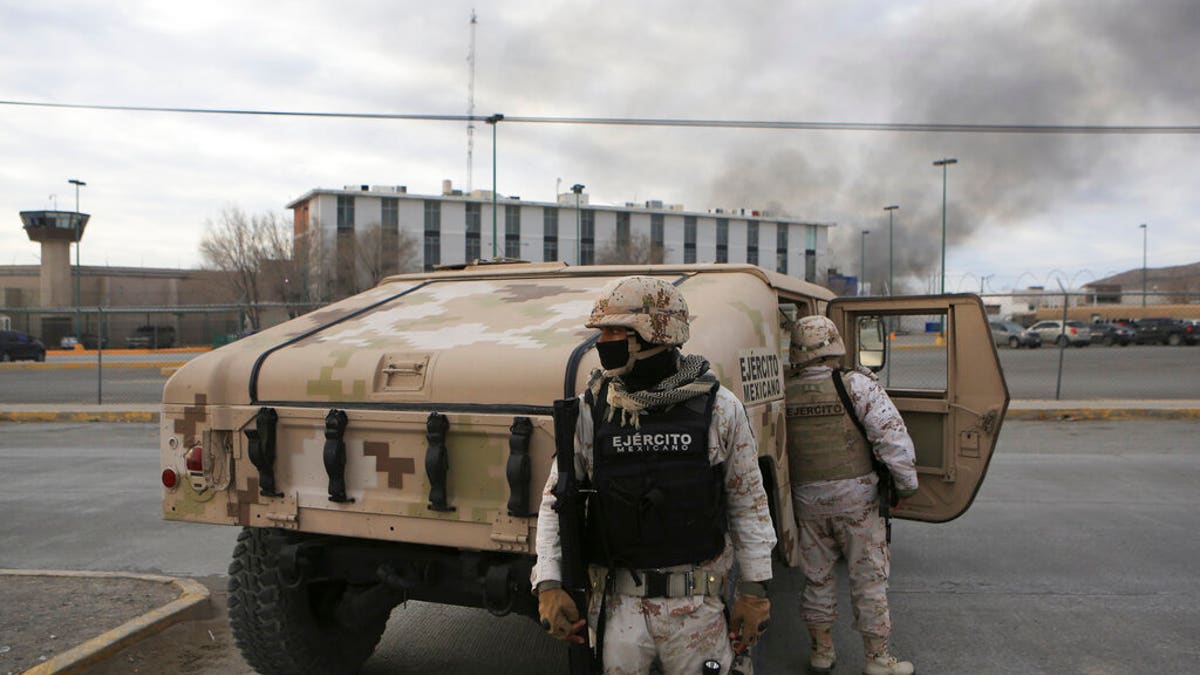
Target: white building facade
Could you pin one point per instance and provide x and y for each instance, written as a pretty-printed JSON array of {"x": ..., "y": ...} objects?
[{"x": 453, "y": 228}]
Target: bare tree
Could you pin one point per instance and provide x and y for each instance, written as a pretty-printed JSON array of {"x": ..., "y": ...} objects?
[
  {"x": 380, "y": 253},
  {"x": 637, "y": 250},
  {"x": 255, "y": 252}
]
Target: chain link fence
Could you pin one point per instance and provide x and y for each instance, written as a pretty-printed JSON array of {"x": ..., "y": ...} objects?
[
  {"x": 118, "y": 354},
  {"x": 125, "y": 355}
]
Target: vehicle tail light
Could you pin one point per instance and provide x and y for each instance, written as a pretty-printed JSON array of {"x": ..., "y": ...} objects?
[
  {"x": 195, "y": 459},
  {"x": 170, "y": 479}
]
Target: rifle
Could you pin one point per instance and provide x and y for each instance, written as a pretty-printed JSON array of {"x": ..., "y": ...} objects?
[
  {"x": 887, "y": 487},
  {"x": 570, "y": 504}
]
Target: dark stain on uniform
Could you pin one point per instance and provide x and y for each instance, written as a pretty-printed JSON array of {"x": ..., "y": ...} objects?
[
  {"x": 394, "y": 467},
  {"x": 245, "y": 499},
  {"x": 526, "y": 292},
  {"x": 192, "y": 415}
]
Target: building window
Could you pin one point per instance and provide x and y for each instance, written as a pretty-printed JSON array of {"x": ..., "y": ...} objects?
[
  {"x": 689, "y": 239},
  {"x": 623, "y": 230},
  {"x": 474, "y": 218},
  {"x": 345, "y": 212},
  {"x": 587, "y": 237},
  {"x": 781, "y": 245},
  {"x": 391, "y": 213},
  {"x": 512, "y": 231},
  {"x": 722, "y": 240},
  {"x": 433, "y": 234},
  {"x": 752, "y": 243},
  {"x": 389, "y": 237},
  {"x": 657, "y": 241},
  {"x": 550, "y": 234}
]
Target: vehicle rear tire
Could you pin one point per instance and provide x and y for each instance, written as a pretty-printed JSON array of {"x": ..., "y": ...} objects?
[
  {"x": 1014, "y": 343},
  {"x": 290, "y": 628},
  {"x": 1173, "y": 339},
  {"x": 6, "y": 357}
]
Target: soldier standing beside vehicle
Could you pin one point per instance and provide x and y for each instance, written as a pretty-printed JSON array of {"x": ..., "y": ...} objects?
[
  {"x": 678, "y": 497},
  {"x": 832, "y": 448}
]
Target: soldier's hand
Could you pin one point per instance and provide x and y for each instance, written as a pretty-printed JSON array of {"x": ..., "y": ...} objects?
[
  {"x": 748, "y": 620},
  {"x": 560, "y": 616}
]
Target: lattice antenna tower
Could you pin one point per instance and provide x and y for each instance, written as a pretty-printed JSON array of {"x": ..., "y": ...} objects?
[{"x": 471, "y": 104}]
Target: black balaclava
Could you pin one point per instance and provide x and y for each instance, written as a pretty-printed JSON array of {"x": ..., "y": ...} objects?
[{"x": 651, "y": 370}]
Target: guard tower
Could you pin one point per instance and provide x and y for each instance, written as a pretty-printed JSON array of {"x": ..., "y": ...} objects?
[{"x": 55, "y": 230}]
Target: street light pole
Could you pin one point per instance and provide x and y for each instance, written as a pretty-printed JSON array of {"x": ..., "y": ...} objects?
[
  {"x": 862, "y": 263},
  {"x": 578, "y": 190},
  {"x": 78, "y": 240},
  {"x": 891, "y": 251},
  {"x": 944, "y": 163},
  {"x": 1145, "y": 231},
  {"x": 494, "y": 120}
]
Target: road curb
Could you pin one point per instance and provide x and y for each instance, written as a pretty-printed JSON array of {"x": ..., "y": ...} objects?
[
  {"x": 108, "y": 416},
  {"x": 192, "y": 603},
  {"x": 1101, "y": 414}
]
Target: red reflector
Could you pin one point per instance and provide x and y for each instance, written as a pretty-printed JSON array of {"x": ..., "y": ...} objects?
[
  {"x": 169, "y": 479},
  {"x": 195, "y": 459},
  {"x": 1073, "y": 331}
]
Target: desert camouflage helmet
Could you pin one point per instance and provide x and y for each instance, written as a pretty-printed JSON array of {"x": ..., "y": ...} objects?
[
  {"x": 653, "y": 308},
  {"x": 814, "y": 338}
]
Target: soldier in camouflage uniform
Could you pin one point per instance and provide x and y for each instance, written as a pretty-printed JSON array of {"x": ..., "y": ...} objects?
[
  {"x": 679, "y": 497},
  {"x": 835, "y": 490}
]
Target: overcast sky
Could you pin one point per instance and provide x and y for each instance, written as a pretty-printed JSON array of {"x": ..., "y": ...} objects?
[{"x": 1023, "y": 209}]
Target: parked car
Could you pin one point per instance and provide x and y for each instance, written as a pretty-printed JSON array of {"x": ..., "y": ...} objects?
[
  {"x": 17, "y": 346},
  {"x": 1109, "y": 334},
  {"x": 151, "y": 337},
  {"x": 1013, "y": 334},
  {"x": 1164, "y": 331},
  {"x": 1075, "y": 334}
]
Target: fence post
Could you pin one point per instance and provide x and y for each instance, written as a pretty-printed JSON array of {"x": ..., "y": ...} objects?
[{"x": 101, "y": 331}]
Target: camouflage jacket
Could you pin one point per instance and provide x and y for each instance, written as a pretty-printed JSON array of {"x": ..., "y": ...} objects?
[
  {"x": 751, "y": 535},
  {"x": 887, "y": 436}
]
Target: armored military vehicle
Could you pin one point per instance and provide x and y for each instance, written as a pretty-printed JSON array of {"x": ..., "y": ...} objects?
[{"x": 394, "y": 445}]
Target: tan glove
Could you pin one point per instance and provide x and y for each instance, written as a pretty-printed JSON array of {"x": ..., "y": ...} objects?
[
  {"x": 560, "y": 616},
  {"x": 748, "y": 620}
]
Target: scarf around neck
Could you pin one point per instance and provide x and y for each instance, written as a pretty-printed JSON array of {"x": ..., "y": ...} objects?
[{"x": 691, "y": 379}]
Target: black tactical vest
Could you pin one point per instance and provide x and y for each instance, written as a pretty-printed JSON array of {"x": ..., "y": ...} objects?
[{"x": 658, "y": 500}]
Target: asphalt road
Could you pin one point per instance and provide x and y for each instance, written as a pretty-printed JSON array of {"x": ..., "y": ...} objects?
[
  {"x": 1093, "y": 372},
  {"x": 1078, "y": 556}
]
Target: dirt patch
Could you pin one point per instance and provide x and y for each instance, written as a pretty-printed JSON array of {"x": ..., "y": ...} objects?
[
  {"x": 200, "y": 647},
  {"x": 41, "y": 616}
]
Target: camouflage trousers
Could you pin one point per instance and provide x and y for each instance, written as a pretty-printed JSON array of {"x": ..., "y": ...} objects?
[
  {"x": 859, "y": 537},
  {"x": 682, "y": 633}
]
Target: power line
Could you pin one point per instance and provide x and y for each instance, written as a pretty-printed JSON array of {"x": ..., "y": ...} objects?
[{"x": 922, "y": 127}]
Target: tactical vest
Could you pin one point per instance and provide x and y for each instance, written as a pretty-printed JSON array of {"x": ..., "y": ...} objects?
[
  {"x": 658, "y": 501},
  {"x": 823, "y": 442}
]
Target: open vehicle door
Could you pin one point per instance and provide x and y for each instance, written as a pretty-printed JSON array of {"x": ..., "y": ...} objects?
[{"x": 936, "y": 358}]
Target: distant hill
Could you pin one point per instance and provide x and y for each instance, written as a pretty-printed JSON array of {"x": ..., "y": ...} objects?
[{"x": 1178, "y": 278}]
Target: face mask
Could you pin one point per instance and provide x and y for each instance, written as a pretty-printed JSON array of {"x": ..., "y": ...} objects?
[{"x": 613, "y": 354}]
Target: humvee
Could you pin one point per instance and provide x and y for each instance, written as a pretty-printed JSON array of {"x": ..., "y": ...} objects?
[{"x": 394, "y": 445}]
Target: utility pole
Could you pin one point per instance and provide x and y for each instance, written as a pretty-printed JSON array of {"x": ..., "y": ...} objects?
[
  {"x": 471, "y": 105},
  {"x": 494, "y": 120},
  {"x": 944, "y": 163},
  {"x": 1145, "y": 231},
  {"x": 891, "y": 251},
  {"x": 578, "y": 190},
  {"x": 79, "y": 239}
]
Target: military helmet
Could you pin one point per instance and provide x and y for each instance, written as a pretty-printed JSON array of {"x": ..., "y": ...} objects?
[
  {"x": 653, "y": 308},
  {"x": 814, "y": 338}
]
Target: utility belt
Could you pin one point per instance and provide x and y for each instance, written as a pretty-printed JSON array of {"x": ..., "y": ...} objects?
[{"x": 659, "y": 584}]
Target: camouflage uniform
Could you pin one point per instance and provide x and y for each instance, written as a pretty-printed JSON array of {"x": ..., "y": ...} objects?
[
  {"x": 841, "y": 517},
  {"x": 681, "y": 632}
]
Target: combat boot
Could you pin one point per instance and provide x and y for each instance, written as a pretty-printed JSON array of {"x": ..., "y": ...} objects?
[
  {"x": 823, "y": 657},
  {"x": 880, "y": 661}
]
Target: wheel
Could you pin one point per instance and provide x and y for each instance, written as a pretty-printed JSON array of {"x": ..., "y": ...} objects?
[
  {"x": 290, "y": 628},
  {"x": 6, "y": 357},
  {"x": 1109, "y": 341},
  {"x": 1061, "y": 341},
  {"x": 1173, "y": 339},
  {"x": 40, "y": 357},
  {"x": 1014, "y": 343}
]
